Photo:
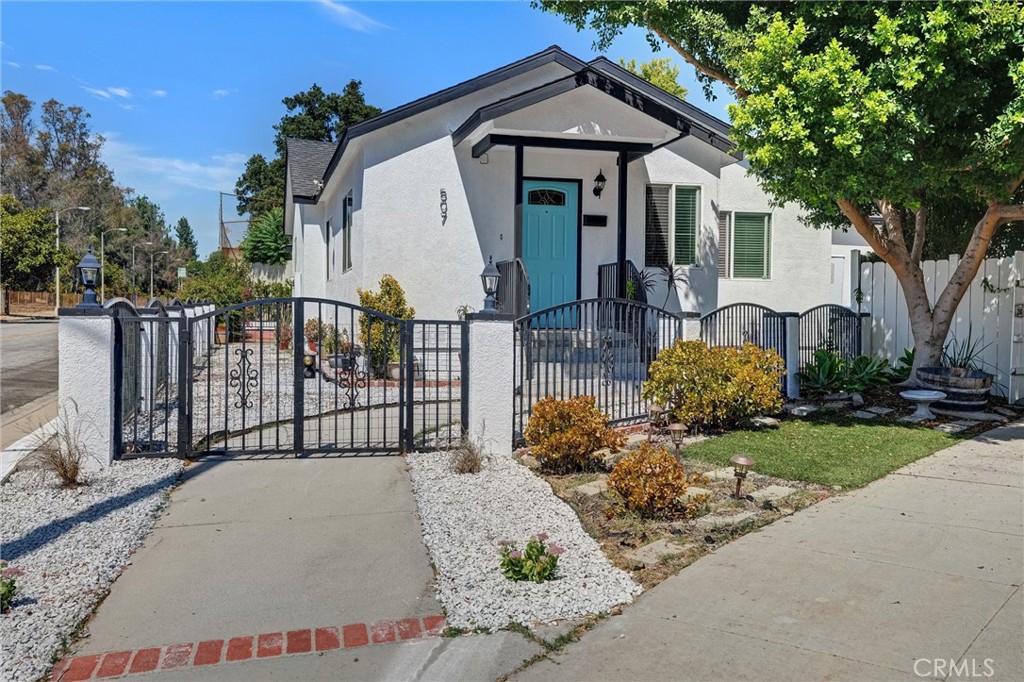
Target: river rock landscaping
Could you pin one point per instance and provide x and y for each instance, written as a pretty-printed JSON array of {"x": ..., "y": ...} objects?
[
  {"x": 466, "y": 517},
  {"x": 71, "y": 544}
]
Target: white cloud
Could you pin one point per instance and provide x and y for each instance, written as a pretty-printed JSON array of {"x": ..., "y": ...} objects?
[
  {"x": 15, "y": 65},
  {"x": 96, "y": 91},
  {"x": 157, "y": 175},
  {"x": 350, "y": 18},
  {"x": 221, "y": 92},
  {"x": 158, "y": 93},
  {"x": 45, "y": 67},
  {"x": 120, "y": 92},
  {"x": 129, "y": 107}
]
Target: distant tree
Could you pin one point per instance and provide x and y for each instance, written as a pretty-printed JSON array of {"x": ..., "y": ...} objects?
[
  {"x": 660, "y": 72},
  {"x": 265, "y": 240},
  {"x": 28, "y": 250},
  {"x": 312, "y": 115},
  {"x": 186, "y": 239}
]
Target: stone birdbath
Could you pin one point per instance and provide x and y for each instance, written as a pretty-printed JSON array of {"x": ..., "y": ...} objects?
[{"x": 923, "y": 399}]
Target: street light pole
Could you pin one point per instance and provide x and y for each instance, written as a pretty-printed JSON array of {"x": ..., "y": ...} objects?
[
  {"x": 151, "y": 256},
  {"x": 135, "y": 292},
  {"x": 56, "y": 267},
  {"x": 103, "y": 261}
]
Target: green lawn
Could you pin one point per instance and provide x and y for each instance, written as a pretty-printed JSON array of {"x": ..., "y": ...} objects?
[{"x": 830, "y": 450}]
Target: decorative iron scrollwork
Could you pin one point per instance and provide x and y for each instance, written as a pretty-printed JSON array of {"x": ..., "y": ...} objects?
[
  {"x": 607, "y": 359},
  {"x": 351, "y": 381},
  {"x": 244, "y": 377}
]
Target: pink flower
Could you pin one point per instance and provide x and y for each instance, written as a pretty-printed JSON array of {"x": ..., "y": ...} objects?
[
  {"x": 505, "y": 543},
  {"x": 12, "y": 572},
  {"x": 515, "y": 555},
  {"x": 555, "y": 549},
  {"x": 542, "y": 536}
]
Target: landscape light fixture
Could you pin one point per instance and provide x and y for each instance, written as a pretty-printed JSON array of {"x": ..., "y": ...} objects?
[
  {"x": 86, "y": 272},
  {"x": 655, "y": 413},
  {"x": 741, "y": 465},
  {"x": 599, "y": 183},
  {"x": 489, "y": 278},
  {"x": 676, "y": 432}
]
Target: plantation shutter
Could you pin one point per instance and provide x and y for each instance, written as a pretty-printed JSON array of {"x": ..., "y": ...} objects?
[
  {"x": 347, "y": 264},
  {"x": 656, "y": 231},
  {"x": 723, "y": 243},
  {"x": 686, "y": 225},
  {"x": 751, "y": 244}
]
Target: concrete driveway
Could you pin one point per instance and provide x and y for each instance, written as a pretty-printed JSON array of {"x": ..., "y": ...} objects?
[{"x": 271, "y": 546}]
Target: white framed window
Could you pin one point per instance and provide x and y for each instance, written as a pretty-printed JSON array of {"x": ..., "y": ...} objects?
[
  {"x": 744, "y": 245},
  {"x": 672, "y": 225},
  {"x": 346, "y": 234},
  {"x": 329, "y": 249}
]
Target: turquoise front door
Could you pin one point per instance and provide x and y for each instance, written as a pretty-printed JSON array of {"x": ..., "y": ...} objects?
[{"x": 550, "y": 241}]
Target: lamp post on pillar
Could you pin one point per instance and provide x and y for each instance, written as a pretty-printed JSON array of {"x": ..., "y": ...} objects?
[{"x": 56, "y": 268}]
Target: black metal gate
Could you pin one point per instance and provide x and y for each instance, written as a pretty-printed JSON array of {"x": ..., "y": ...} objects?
[
  {"x": 302, "y": 376},
  {"x": 599, "y": 347},
  {"x": 832, "y": 327},
  {"x": 740, "y": 323}
]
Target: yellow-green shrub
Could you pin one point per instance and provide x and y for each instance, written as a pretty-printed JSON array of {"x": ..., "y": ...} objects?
[
  {"x": 715, "y": 387},
  {"x": 380, "y": 339},
  {"x": 565, "y": 434},
  {"x": 650, "y": 480}
]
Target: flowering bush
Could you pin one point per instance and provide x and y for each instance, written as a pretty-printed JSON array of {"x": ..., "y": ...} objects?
[
  {"x": 717, "y": 386},
  {"x": 566, "y": 433},
  {"x": 536, "y": 562},
  {"x": 7, "y": 584}
]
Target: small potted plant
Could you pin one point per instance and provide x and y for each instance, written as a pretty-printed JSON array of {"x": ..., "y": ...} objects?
[
  {"x": 284, "y": 336},
  {"x": 312, "y": 329}
]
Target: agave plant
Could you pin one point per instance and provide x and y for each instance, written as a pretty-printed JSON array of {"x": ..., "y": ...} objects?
[{"x": 672, "y": 276}]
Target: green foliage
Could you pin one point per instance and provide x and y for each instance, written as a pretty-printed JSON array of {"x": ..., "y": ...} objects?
[
  {"x": 565, "y": 434},
  {"x": 8, "y": 585},
  {"x": 219, "y": 280},
  {"x": 715, "y": 387},
  {"x": 312, "y": 115},
  {"x": 659, "y": 72},
  {"x": 535, "y": 563},
  {"x": 262, "y": 289},
  {"x": 650, "y": 481},
  {"x": 381, "y": 338},
  {"x": 27, "y": 246},
  {"x": 903, "y": 367},
  {"x": 964, "y": 352},
  {"x": 265, "y": 240},
  {"x": 186, "y": 239},
  {"x": 829, "y": 373}
]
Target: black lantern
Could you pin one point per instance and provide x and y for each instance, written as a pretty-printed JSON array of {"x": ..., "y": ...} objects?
[
  {"x": 489, "y": 277},
  {"x": 88, "y": 270},
  {"x": 599, "y": 183}
]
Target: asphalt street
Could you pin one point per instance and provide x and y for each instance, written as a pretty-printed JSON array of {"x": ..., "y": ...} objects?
[{"x": 28, "y": 376}]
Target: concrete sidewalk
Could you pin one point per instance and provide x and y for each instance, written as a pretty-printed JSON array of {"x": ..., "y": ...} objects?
[{"x": 917, "y": 571}]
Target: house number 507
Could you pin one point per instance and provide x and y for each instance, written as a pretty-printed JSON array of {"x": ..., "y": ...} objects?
[{"x": 444, "y": 207}]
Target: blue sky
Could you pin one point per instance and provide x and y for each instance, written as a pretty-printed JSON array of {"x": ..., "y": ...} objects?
[{"x": 185, "y": 92}]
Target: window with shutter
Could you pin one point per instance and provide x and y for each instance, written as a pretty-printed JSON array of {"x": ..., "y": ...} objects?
[
  {"x": 723, "y": 243},
  {"x": 656, "y": 233},
  {"x": 687, "y": 201},
  {"x": 328, "y": 250},
  {"x": 346, "y": 263},
  {"x": 751, "y": 245}
]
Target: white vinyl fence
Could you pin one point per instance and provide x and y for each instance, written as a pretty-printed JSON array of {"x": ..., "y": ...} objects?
[{"x": 992, "y": 312}]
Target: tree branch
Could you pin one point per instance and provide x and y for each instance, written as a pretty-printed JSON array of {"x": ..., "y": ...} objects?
[
  {"x": 1008, "y": 213},
  {"x": 1015, "y": 184},
  {"x": 876, "y": 241},
  {"x": 920, "y": 230},
  {"x": 893, "y": 222},
  {"x": 969, "y": 265},
  {"x": 720, "y": 76}
]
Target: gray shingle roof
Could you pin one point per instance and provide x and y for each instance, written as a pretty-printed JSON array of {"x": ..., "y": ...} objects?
[{"x": 307, "y": 161}]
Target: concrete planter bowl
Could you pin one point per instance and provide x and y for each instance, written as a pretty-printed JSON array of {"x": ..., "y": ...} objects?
[{"x": 966, "y": 389}]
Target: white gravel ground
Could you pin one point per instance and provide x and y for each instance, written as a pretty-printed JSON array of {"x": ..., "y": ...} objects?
[
  {"x": 72, "y": 543},
  {"x": 466, "y": 516}
]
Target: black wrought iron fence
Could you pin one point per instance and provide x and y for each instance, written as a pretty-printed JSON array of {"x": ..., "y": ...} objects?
[
  {"x": 831, "y": 327},
  {"x": 598, "y": 347}
]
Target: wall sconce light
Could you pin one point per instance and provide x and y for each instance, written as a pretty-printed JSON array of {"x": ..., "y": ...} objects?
[
  {"x": 599, "y": 183},
  {"x": 741, "y": 465}
]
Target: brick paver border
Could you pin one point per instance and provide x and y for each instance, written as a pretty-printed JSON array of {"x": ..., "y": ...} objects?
[{"x": 246, "y": 647}]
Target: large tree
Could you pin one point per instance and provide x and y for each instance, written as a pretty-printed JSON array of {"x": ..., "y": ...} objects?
[
  {"x": 186, "y": 239},
  {"x": 855, "y": 110},
  {"x": 659, "y": 71},
  {"x": 312, "y": 115}
]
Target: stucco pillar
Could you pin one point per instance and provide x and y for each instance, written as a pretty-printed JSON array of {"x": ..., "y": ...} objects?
[
  {"x": 691, "y": 326},
  {"x": 792, "y": 353},
  {"x": 85, "y": 398},
  {"x": 491, "y": 381}
]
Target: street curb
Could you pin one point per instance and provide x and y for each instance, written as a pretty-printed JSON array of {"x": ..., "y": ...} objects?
[
  {"x": 19, "y": 449},
  {"x": 244, "y": 648}
]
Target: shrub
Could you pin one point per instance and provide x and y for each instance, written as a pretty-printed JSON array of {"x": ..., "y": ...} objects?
[
  {"x": 265, "y": 240},
  {"x": 63, "y": 453},
  {"x": 715, "y": 387},
  {"x": 900, "y": 372},
  {"x": 8, "y": 585},
  {"x": 650, "y": 481},
  {"x": 467, "y": 456},
  {"x": 828, "y": 373},
  {"x": 313, "y": 329},
  {"x": 536, "y": 563},
  {"x": 381, "y": 339},
  {"x": 565, "y": 434}
]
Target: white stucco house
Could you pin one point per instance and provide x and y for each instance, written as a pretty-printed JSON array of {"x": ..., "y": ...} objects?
[{"x": 508, "y": 166}]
